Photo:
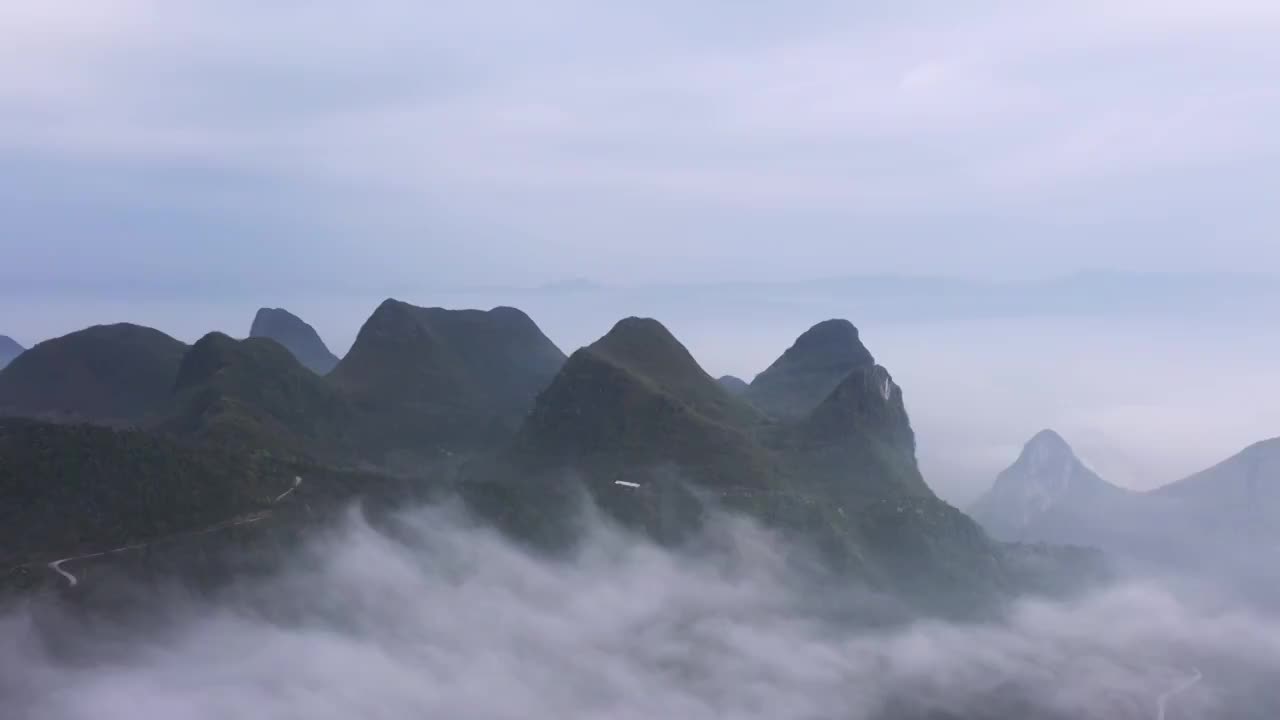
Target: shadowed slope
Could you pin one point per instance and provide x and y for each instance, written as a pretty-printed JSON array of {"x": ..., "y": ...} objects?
[{"x": 109, "y": 374}]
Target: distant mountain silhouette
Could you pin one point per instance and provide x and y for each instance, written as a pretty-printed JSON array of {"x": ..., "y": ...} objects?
[
  {"x": 810, "y": 370},
  {"x": 255, "y": 394},
  {"x": 9, "y": 349},
  {"x": 112, "y": 374},
  {"x": 450, "y": 378},
  {"x": 735, "y": 385},
  {"x": 1223, "y": 520},
  {"x": 1238, "y": 497},
  {"x": 1048, "y": 493},
  {"x": 296, "y": 336}
]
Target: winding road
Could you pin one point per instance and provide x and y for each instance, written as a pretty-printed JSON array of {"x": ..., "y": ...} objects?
[
  {"x": 72, "y": 581},
  {"x": 1162, "y": 702},
  {"x": 296, "y": 482},
  {"x": 56, "y": 565}
]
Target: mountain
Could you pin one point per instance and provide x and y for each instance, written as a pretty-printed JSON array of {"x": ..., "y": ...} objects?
[
  {"x": 1239, "y": 496},
  {"x": 656, "y": 442},
  {"x": 857, "y": 444},
  {"x": 296, "y": 336},
  {"x": 818, "y": 361},
  {"x": 734, "y": 385},
  {"x": 67, "y": 487},
  {"x": 256, "y": 395},
  {"x": 448, "y": 378},
  {"x": 1223, "y": 522},
  {"x": 9, "y": 349},
  {"x": 109, "y": 374},
  {"x": 1048, "y": 494},
  {"x": 635, "y": 400},
  {"x": 84, "y": 490}
]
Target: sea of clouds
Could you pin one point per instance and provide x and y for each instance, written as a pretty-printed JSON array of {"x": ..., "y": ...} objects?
[{"x": 433, "y": 616}]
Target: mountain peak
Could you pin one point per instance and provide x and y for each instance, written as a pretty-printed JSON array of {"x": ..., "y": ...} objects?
[
  {"x": 1046, "y": 450},
  {"x": 834, "y": 340},
  {"x": 9, "y": 349},
  {"x": 815, "y": 364},
  {"x": 296, "y": 336},
  {"x": 647, "y": 350},
  {"x": 1046, "y": 483}
]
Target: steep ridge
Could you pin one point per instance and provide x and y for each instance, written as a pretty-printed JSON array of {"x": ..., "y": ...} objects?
[
  {"x": 1048, "y": 494},
  {"x": 9, "y": 349},
  {"x": 445, "y": 379},
  {"x": 858, "y": 445},
  {"x": 296, "y": 336},
  {"x": 256, "y": 395},
  {"x": 806, "y": 374},
  {"x": 109, "y": 374}
]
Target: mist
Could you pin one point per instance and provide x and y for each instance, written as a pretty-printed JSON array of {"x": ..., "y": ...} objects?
[{"x": 432, "y": 615}]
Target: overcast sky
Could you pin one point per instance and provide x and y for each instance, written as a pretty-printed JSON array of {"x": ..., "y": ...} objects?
[{"x": 152, "y": 148}]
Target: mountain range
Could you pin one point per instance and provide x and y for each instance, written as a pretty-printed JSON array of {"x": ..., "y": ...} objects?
[{"x": 818, "y": 446}]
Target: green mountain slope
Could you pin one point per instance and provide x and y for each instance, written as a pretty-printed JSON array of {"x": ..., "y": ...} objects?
[
  {"x": 109, "y": 374},
  {"x": 254, "y": 394},
  {"x": 454, "y": 379}
]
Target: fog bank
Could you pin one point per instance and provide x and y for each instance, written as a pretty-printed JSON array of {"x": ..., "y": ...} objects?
[{"x": 443, "y": 619}]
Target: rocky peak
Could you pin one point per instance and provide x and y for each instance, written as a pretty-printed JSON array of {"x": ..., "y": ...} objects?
[
  {"x": 1047, "y": 480},
  {"x": 296, "y": 336},
  {"x": 829, "y": 342},
  {"x": 819, "y": 360}
]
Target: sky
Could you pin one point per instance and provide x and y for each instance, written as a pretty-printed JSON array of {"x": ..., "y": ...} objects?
[
  {"x": 221, "y": 148},
  {"x": 180, "y": 164}
]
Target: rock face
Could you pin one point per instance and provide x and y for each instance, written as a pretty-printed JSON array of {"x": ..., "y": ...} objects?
[
  {"x": 108, "y": 374},
  {"x": 453, "y": 378},
  {"x": 9, "y": 349},
  {"x": 1048, "y": 494},
  {"x": 810, "y": 370},
  {"x": 296, "y": 336}
]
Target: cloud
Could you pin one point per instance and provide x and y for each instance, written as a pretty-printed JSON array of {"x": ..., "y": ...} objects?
[
  {"x": 607, "y": 141},
  {"x": 444, "y": 619}
]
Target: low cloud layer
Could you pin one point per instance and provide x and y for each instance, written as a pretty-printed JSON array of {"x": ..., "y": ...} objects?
[{"x": 447, "y": 620}]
